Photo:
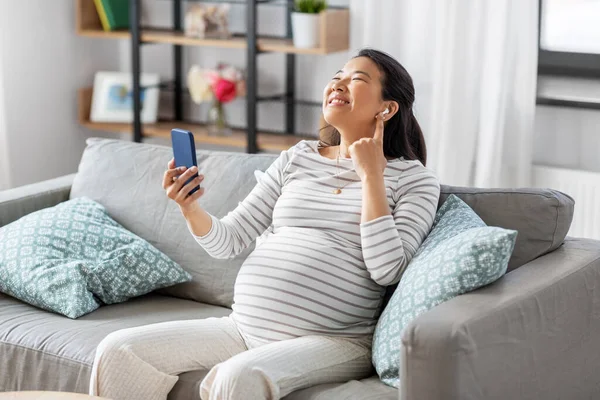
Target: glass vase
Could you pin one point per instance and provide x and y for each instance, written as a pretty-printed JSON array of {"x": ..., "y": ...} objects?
[{"x": 217, "y": 122}]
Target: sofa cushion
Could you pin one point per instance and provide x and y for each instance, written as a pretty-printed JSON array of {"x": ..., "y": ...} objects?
[
  {"x": 188, "y": 388},
  {"x": 542, "y": 217},
  {"x": 459, "y": 255},
  {"x": 126, "y": 178},
  {"x": 45, "y": 351},
  {"x": 73, "y": 257},
  {"x": 366, "y": 389}
]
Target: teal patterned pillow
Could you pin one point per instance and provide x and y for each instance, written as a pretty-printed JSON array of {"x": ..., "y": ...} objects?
[
  {"x": 74, "y": 257},
  {"x": 459, "y": 255}
]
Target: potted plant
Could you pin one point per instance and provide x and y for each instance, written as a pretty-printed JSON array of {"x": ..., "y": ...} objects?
[
  {"x": 305, "y": 22},
  {"x": 219, "y": 86}
]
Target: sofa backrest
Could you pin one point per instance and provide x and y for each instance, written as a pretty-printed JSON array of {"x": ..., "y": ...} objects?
[
  {"x": 541, "y": 217},
  {"x": 126, "y": 178}
]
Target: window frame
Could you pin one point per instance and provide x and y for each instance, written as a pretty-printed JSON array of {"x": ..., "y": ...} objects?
[{"x": 577, "y": 65}]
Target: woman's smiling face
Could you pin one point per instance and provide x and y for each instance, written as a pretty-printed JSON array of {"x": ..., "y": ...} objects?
[{"x": 353, "y": 96}]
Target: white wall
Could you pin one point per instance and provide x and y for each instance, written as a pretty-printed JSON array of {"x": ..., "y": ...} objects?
[
  {"x": 568, "y": 137},
  {"x": 42, "y": 64},
  {"x": 4, "y": 153}
]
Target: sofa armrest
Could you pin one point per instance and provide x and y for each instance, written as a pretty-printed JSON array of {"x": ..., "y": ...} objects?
[
  {"x": 534, "y": 334},
  {"x": 20, "y": 201}
]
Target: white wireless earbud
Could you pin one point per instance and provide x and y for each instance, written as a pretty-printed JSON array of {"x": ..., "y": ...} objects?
[{"x": 386, "y": 111}]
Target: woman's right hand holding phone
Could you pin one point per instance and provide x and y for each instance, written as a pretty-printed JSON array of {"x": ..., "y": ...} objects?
[{"x": 173, "y": 183}]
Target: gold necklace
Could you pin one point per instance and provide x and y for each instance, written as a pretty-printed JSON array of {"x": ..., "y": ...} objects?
[{"x": 338, "y": 189}]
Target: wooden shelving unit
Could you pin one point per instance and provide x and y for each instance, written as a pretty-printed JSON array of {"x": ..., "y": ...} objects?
[
  {"x": 334, "y": 37},
  {"x": 178, "y": 38},
  {"x": 266, "y": 141}
]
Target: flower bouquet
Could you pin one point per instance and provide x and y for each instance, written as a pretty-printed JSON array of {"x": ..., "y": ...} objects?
[{"x": 219, "y": 86}]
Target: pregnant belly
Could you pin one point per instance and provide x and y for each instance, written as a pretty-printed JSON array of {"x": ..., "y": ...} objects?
[{"x": 305, "y": 286}]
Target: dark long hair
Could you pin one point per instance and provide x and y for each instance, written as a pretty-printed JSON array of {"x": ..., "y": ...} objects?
[{"x": 402, "y": 136}]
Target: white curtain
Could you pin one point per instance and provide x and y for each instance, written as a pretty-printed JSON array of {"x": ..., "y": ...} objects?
[{"x": 474, "y": 66}]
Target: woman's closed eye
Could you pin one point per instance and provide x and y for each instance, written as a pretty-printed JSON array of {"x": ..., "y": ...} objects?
[{"x": 337, "y": 78}]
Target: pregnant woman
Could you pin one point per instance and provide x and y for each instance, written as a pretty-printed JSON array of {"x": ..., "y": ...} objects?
[{"x": 340, "y": 219}]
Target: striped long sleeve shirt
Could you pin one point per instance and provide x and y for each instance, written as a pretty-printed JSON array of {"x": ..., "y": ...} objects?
[{"x": 318, "y": 270}]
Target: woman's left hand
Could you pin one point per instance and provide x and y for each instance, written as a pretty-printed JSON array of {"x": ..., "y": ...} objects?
[{"x": 367, "y": 153}]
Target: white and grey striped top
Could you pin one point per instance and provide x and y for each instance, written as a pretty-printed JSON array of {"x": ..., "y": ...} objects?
[{"x": 317, "y": 269}]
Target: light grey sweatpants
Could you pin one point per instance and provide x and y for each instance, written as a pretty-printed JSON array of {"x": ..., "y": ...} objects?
[{"x": 143, "y": 362}]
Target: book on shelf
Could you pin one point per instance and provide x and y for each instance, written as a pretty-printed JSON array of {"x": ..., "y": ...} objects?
[{"x": 114, "y": 14}]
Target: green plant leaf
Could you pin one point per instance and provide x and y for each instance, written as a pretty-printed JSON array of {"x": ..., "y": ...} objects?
[{"x": 310, "y": 6}]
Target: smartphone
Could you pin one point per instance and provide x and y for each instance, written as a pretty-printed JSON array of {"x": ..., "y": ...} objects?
[{"x": 184, "y": 151}]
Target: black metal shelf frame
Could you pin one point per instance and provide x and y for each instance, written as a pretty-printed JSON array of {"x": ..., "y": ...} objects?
[
  {"x": 134, "y": 23},
  {"x": 252, "y": 52}
]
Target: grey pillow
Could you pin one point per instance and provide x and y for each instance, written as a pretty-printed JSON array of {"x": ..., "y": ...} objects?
[{"x": 541, "y": 216}]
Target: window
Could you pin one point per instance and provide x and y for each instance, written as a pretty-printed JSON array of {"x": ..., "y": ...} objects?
[{"x": 569, "y": 42}]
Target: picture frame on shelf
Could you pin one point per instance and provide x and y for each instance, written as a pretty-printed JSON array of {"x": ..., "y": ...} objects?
[{"x": 112, "y": 99}]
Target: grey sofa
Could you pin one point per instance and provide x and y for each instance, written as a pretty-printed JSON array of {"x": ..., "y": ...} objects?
[{"x": 534, "y": 334}]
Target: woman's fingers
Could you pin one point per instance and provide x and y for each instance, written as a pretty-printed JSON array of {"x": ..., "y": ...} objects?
[
  {"x": 185, "y": 190},
  {"x": 170, "y": 174},
  {"x": 174, "y": 183},
  {"x": 175, "y": 179},
  {"x": 193, "y": 197},
  {"x": 183, "y": 178},
  {"x": 378, "y": 136}
]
